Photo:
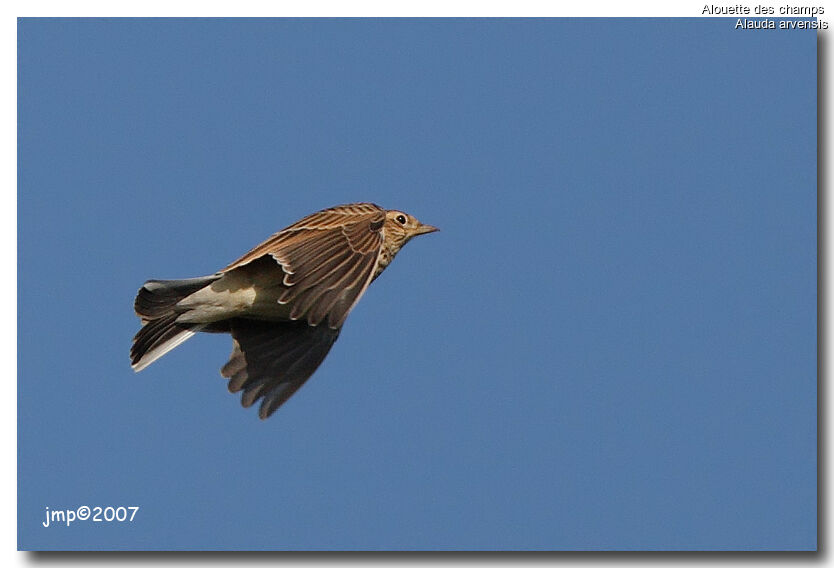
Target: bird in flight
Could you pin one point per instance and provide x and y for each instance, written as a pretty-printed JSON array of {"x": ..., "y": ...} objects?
[{"x": 284, "y": 302}]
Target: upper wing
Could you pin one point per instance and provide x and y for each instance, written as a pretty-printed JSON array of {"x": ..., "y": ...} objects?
[{"x": 328, "y": 259}]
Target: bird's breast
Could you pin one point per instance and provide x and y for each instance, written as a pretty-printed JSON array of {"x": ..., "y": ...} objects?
[{"x": 383, "y": 260}]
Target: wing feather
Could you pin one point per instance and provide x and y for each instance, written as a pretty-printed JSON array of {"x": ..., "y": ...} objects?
[
  {"x": 348, "y": 286},
  {"x": 310, "y": 246},
  {"x": 338, "y": 263},
  {"x": 328, "y": 259},
  {"x": 344, "y": 282},
  {"x": 272, "y": 360},
  {"x": 315, "y": 251}
]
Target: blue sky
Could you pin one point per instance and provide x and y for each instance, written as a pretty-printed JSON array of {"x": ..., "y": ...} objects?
[{"x": 611, "y": 344}]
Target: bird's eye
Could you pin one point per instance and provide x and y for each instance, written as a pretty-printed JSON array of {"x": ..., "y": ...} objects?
[{"x": 401, "y": 219}]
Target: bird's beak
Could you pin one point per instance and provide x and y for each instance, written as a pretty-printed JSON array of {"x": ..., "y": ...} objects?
[{"x": 422, "y": 229}]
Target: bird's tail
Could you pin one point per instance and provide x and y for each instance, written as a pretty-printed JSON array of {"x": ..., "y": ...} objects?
[{"x": 156, "y": 305}]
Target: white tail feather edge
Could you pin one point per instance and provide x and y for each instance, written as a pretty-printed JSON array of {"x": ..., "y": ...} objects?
[{"x": 163, "y": 348}]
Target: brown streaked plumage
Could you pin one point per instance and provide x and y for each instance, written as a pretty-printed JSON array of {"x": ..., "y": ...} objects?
[{"x": 284, "y": 302}]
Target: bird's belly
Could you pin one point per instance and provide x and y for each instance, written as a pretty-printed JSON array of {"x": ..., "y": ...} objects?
[
  {"x": 265, "y": 305},
  {"x": 207, "y": 306},
  {"x": 251, "y": 291}
]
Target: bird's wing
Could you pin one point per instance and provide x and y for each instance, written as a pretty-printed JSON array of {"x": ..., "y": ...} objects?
[
  {"x": 328, "y": 259},
  {"x": 273, "y": 359}
]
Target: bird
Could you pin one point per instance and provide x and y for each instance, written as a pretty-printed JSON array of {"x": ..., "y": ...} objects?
[{"x": 284, "y": 302}]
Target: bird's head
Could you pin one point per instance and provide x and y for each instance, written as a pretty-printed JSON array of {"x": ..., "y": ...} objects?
[{"x": 401, "y": 227}]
